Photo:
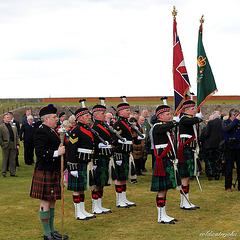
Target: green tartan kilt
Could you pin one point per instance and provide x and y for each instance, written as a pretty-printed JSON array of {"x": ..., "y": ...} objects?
[
  {"x": 101, "y": 172},
  {"x": 122, "y": 171},
  {"x": 213, "y": 161},
  {"x": 186, "y": 169},
  {"x": 160, "y": 183},
  {"x": 80, "y": 183}
]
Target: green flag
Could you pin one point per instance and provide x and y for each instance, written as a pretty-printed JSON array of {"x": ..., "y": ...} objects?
[{"x": 206, "y": 85}]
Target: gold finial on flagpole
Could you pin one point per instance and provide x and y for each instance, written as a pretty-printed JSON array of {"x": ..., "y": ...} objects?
[
  {"x": 202, "y": 19},
  {"x": 174, "y": 12}
]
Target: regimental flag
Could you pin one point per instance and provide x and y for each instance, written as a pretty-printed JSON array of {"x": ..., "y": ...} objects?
[
  {"x": 180, "y": 76},
  {"x": 206, "y": 85}
]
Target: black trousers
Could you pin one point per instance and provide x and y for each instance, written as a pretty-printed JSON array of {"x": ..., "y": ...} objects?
[
  {"x": 28, "y": 152},
  {"x": 231, "y": 155}
]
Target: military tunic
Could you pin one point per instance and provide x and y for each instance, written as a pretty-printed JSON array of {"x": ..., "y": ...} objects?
[
  {"x": 122, "y": 150},
  {"x": 186, "y": 169},
  {"x": 102, "y": 155},
  {"x": 161, "y": 140},
  {"x": 80, "y": 153}
]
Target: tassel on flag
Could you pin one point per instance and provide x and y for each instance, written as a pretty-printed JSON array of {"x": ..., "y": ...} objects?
[{"x": 180, "y": 76}]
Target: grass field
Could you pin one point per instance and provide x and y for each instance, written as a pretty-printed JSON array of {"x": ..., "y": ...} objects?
[{"x": 217, "y": 218}]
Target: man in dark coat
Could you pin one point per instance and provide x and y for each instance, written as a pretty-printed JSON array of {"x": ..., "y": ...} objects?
[
  {"x": 47, "y": 172},
  {"x": 212, "y": 135},
  {"x": 26, "y": 136},
  {"x": 231, "y": 134}
]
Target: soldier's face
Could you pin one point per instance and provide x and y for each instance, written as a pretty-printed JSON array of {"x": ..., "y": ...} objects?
[
  {"x": 100, "y": 116},
  {"x": 85, "y": 119},
  {"x": 190, "y": 111},
  {"x": 125, "y": 113},
  {"x": 165, "y": 116}
]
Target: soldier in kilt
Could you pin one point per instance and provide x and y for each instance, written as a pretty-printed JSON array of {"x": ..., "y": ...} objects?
[
  {"x": 47, "y": 172},
  {"x": 102, "y": 154},
  {"x": 187, "y": 145},
  {"x": 163, "y": 177},
  {"x": 122, "y": 152},
  {"x": 80, "y": 153}
]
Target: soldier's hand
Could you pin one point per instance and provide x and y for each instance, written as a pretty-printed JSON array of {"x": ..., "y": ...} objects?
[
  {"x": 119, "y": 162},
  {"x": 122, "y": 142},
  {"x": 74, "y": 173},
  {"x": 61, "y": 150}
]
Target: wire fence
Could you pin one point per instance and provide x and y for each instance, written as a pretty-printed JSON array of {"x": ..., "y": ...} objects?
[{"x": 5, "y": 109}]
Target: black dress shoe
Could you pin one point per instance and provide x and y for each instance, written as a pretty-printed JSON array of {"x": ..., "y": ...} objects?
[
  {"x": 4, "y": 175},
  {"x": 57, "y": 235},
  {"x": 49, "y": 237},
  {"x": 13, "y": 175}
]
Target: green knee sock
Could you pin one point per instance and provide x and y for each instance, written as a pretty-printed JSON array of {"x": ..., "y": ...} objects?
[
  {"x": 45, "y": 220},
  {"x": 52, "y": 213}
]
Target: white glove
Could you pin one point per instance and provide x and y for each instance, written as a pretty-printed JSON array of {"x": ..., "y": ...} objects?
[
  {"x": 101, "y": 145},
  {"x": 176, "y": 118},
  {"x": 119, "y": 162},
  {"x": 74, "y": 173},
  {"x": 141, "y": 138},
  {"x": 94, "y": 167},
  {"x": 199, "y": 115},
  {"x": 176, "y": 161},
  {"x": 122, "y": 142}
]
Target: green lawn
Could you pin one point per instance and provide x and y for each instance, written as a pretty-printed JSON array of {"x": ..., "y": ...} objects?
[{"x": 219, "y": 213}]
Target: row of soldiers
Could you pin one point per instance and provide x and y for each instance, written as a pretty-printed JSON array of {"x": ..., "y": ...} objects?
[{"x": 98, "y": 156}]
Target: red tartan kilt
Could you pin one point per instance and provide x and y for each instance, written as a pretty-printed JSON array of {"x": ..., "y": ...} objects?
[{"x": 46, "y": 185}]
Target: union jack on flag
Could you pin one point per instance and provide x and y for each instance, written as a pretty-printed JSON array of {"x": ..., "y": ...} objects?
[{"x": 180, "y": 76}]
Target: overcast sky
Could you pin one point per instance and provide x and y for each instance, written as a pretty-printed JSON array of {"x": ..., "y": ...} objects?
[{"x": 93, "y": 48}]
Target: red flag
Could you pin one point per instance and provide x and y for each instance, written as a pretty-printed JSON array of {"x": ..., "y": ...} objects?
[{"x": 180, "y": 76}]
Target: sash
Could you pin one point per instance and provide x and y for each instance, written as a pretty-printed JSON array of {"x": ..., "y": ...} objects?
[
  {"x": 159, "y": 169},
  {"x": 180, "y": 148},
  {"x": 126, "y": 126},
  {"x": 87, "y": 132},
  {"x": 104, "y": 129}
]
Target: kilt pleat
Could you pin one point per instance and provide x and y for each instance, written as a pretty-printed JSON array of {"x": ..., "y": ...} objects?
[
  {"x": 101, "y": 172},
  {"x": 122, "y": 171},
  {"x": 80, "y": 183},
  {"x": 186, "y": 169},
  {"x": 46, "y": 185},
  {"x": 160, "y": 183}
]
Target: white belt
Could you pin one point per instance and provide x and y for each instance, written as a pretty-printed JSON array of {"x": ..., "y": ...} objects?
[
  {"x": 161, "y": 146},
  {"x": 185, "y": 136},
  {"x": 107, "y": 146},
  {"x": 84, "y": 150},
  {"x": 128, "y": 142}
]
